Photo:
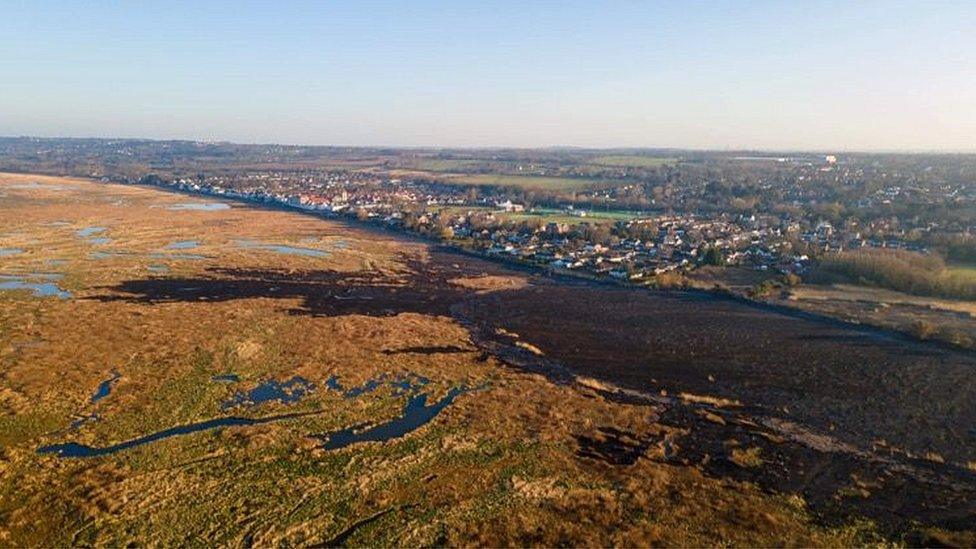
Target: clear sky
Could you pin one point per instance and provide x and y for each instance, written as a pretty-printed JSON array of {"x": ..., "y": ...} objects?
[{"x": 856, "y": 74}]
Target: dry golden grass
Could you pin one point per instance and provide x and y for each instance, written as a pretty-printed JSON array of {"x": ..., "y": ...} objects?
[
  {"x": 491, "y": 283},
  {"x": 498, "y": 467}
]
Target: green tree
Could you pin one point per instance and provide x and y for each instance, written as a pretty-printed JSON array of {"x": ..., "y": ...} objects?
[{"x": 713, "y": 256}]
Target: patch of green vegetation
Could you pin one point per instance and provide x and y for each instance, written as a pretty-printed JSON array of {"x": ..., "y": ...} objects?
[
  {"x": 561, "y": 216},
  {"x": 633, "y": 161},
  {"x": 177, "y": 401},
  {"x": 547, "y": 215},
  {"x": 963, "y": 273},
  {"x": 530, "y": 182},
  {"x": 18, "y": 428},
  {"x": 556, "y": 218},
  {"x": 445, "y": 164}
]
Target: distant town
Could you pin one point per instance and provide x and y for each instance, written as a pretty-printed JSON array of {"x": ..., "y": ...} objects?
[
  {"x": 637, "y": 216},
  {"x": 620, "y": 244}
]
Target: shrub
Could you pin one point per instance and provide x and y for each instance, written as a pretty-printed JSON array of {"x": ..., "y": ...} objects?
[
  {"x": 747, "y": 458},
  {"x": 955, "y": 337},
  {"x": 713, "y": 256},
  {"x": 792, "y": 279},
  {"x": 922, "y": 329},
  {"x": 670, "y": 280},
  {"x": 763, "y": 289}
]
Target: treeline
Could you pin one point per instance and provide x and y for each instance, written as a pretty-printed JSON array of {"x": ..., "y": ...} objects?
[
  {"x": 900, "y": 270},
  {"x": 956, "y": 247}
]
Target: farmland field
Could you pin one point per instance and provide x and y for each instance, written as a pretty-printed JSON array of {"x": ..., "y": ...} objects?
[
  {"x": 561, "y": 216},
  {"x": 963, "y": 272},
  {"x": 444, "y": 164},
  {"x": 633, "y": 161},
  {"x": 185, "y": 371},
  {"x": 529, "y": 181},
  {"x": 548, "y": 215}
]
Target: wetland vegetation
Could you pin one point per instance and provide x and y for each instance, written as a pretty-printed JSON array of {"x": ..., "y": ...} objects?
[{"x": 292, "y": 399}]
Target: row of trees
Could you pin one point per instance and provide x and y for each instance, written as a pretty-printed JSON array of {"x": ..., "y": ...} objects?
[{"x": 919, "y": 274}]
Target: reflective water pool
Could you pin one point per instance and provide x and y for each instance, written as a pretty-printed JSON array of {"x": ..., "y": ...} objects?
[
  {"x": 106, "y": 255},
  {"x": 416, "y": 413},
  {"x": 226, "y": 378},
  {"x": 74, "y": 449},
  {"x": 285, "y": 392},
  {"x": 201, "y": 206},
  {"x": 38, "y": 283},
  {"x": 282, "y": 248},
  {"x": 89, "y": 231},
  {"x": 191, "y": 257},
  {"x": 105, "y": 387}
]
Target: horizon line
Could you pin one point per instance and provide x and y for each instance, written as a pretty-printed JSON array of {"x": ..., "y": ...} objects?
[{"x": 818, "y": 151}]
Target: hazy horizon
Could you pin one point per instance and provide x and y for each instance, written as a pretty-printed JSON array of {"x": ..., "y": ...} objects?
[
  {"x": 506, "y": 147},
  {"x": 762, "y": 76}
]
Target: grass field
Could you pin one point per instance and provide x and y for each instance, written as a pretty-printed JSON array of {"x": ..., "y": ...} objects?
[
  {"x": 444, "y": 165},
  {"x": 560, "y": 216},
  {"x": 530, "y": 182},
  {"x": 633, "y": 161},
  {"x": 548, "y": 215},
  {"x": 963, "y": 272}
]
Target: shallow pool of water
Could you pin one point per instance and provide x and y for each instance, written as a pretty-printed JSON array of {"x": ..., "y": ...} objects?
[
  {"x": 189, "y": 257},
  {"x": 282, "y": 248},
  {"x": 89, "y": 231},
  {"x": 38, "y": 283},
  {"x": 183, "y": 245},
  {"x": 10, "y": 251},
  {"x": 33, "y": 276},
  {"x": 285, "y": 392},
  {"x": 416, "y": 413},
  {"x": 226, "y": 378},
  {"x": 295, "y": 250},
  {"x": 106, "y": 255},
  {"x": 105, "y": 387},
  {"x": 74, "y": 449},
  {"x": 201, "y": 206}
]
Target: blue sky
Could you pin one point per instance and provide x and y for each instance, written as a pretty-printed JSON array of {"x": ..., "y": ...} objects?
[{"x": 774, "y": 75}]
